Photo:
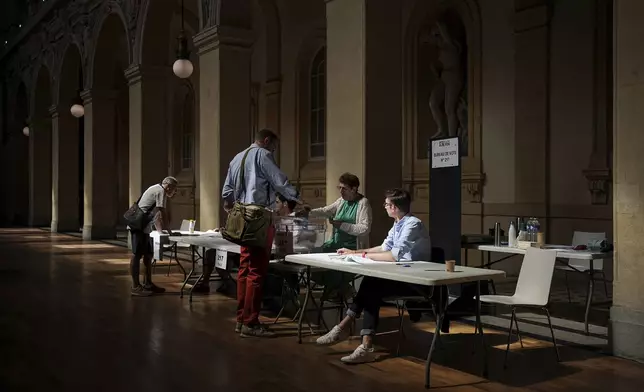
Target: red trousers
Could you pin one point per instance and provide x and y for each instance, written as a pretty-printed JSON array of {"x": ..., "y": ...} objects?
[{"x": 253, "y": 268}]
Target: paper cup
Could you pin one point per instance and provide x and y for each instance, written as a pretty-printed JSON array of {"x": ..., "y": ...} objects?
[{"x": 450, "y": 265}]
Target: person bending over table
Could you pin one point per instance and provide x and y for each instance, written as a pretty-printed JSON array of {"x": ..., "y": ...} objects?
[
  {"x": 351, "y": 217},
  {"x": 262, "y": 179},
  {"x": 407, "y": 240},
  {"x": 154, "y": 203}
]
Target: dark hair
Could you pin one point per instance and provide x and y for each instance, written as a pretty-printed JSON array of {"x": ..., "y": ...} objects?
[
  {"x": 265, "y": 133},
  {"x": 400, "y": 198},
  {"x": 291, "y": 203},
  {"x": 350, "y": 179}
]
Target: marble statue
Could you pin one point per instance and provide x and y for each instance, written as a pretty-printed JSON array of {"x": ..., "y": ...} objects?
[{"x": 447, "y": 101}]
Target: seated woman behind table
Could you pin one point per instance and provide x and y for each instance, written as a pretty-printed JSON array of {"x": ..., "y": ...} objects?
[
  {"x": 351, "y": 217},
  {"x": 407, "y": 240}
]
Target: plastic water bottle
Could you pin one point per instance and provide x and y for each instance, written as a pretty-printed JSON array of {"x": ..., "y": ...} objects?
[
  {"x": 530, "y": 229},
  {"x": 512, "y": 236},
  {"x": 537, "y": 228}
]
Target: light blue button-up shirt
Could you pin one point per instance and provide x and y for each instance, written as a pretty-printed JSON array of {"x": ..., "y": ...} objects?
[
  {"x": 408, "y": 240},
  {"x": 262, "y": 176}
]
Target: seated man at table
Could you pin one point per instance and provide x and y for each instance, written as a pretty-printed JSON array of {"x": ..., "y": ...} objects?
[{"x": 407, "y": 240}]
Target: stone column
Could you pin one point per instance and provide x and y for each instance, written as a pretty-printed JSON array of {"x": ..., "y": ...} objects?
[
  {"x": 364, "y": 99},
  {"x": 224, "y": 111},
  {"x": 99, "y": 168},
  {"x": 40, "y": 171},
  {"x": 627, "y": 313},
  {"x": 64, "y": 175},
  {"x": 148, "y": 163},
  {"x": 531, "y": 118}
]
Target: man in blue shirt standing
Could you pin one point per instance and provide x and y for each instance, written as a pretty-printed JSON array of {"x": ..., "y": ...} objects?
[
  {"x": 263, "y": 179},
  {"x": 408, "y": 240}
]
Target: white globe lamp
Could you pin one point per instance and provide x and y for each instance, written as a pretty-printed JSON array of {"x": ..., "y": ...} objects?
[
  {"x": 25, "y": 131},
  {"x": 183, "y": 68},
  {"x": 77, "y": 110}
]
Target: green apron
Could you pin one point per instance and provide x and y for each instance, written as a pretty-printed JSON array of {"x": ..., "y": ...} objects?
[
  {"x": 337, "y": 285},
  {"x": 347, "y": 214}
]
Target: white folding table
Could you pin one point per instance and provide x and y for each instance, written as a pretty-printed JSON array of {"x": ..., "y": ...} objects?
[
  {"x": 415, "y": 273},
  {"x": 563, "y": 253},
  {"x": 214, "y": 240}
]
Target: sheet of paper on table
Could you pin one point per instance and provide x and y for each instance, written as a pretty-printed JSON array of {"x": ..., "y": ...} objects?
[{"x": 354, "y": 259}]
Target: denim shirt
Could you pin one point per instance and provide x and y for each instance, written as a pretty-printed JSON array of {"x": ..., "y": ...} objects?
[
  {"x": 262, "y": 177},
  {"x": 408, "y": 240}
]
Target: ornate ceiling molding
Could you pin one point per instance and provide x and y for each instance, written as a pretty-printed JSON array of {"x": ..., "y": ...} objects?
[{"x": 64, "y": 23}]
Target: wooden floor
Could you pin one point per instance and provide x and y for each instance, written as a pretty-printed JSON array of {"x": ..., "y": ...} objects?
[{"x": 68, "y": 323}]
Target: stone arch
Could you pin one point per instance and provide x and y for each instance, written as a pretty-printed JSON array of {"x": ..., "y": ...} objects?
[
  {"x": 108, "y": 15},
  {"x": 40, "y": 78},
  {"x": 106, "y": 179},
  {"x": 40, "y": 150},
  {"x": 68, "y": 139},
  {"x": 416, "y": 167},
  {"x": 69, "y": 81},
  {"x": 111, "y": 50}
]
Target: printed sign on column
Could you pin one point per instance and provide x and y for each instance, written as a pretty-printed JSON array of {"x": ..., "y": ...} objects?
[{"x": 445, "y": 153}]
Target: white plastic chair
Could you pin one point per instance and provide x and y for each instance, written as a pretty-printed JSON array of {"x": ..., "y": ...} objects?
[
  {"x": 532, "y": 291},
  {"x": 584, "y": 266}
]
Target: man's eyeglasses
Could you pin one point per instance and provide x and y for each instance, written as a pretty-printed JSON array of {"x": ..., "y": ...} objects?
[{"x": 387, "y": 205}]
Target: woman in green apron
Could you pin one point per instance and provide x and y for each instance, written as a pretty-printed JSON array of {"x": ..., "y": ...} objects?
[{"x": 351, "y": 218}]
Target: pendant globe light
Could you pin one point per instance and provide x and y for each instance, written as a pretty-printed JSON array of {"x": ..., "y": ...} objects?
[
  {"x": 25, "y": 131},
  {"x": 77, "y": 109},
  {"x": 183, "y": 66}
]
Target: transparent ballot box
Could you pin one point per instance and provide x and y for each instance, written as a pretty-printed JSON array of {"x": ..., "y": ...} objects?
[{"x": 298, "y": 235}]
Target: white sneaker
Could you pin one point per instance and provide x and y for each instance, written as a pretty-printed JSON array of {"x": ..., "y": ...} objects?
[
  {"x": 360, "y": 355},
  {"x": 333, "y": 336}
]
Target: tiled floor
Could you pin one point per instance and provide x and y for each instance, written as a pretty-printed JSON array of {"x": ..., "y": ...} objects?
[{"x": 67, "y": 323}]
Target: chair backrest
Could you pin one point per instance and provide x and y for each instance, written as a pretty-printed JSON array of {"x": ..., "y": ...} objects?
[
  {"x": 583, "y": 238},
  {"x": 185, "y": 225},
  {"x": 535, "y": 276}
]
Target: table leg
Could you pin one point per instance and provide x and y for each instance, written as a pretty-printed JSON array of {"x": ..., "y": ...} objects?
[
  {"x": 489, "y": 266},
  {"x": 480, "y": 327},
  {"x": 192, "y": 251},
  {"x": 589, "y": 299},
  {"x": 440, "y": 315},
  {"x": 306, "y": 302},
  {"x": 203, "y": 254}
]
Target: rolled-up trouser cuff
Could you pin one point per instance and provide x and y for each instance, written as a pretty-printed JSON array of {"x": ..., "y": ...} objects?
[{"x": 367, "y": 332}]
